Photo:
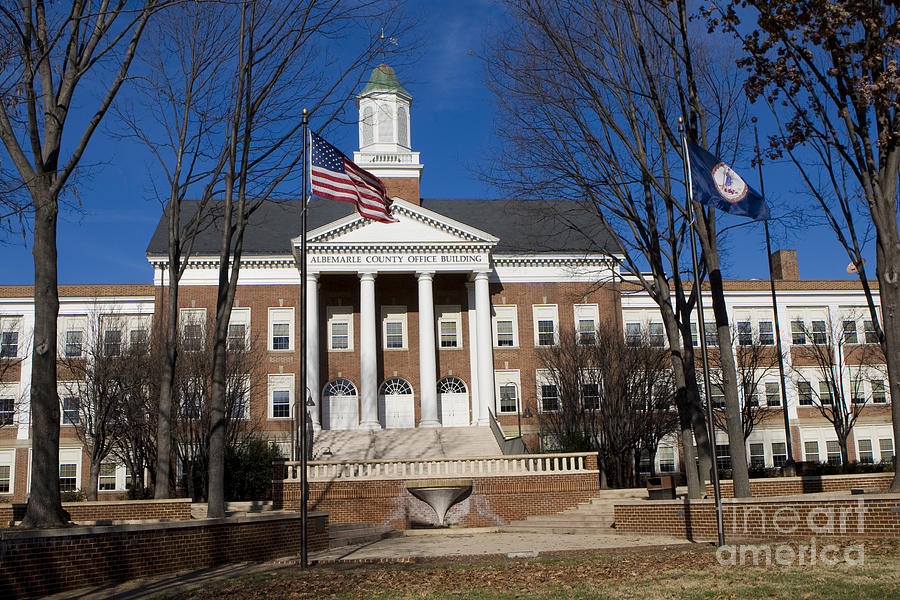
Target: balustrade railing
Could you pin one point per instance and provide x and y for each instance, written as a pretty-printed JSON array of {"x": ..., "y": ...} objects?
[{"x": 423, "y": 468}]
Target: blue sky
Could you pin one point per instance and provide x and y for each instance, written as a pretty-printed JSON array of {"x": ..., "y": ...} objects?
[{"x": 452, "y": 118}]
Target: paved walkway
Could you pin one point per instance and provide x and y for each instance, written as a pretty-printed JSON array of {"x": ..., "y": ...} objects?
[{"x": 415, "y": 544}]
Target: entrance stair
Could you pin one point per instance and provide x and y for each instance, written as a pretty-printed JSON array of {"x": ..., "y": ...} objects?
[
  {"x": 439, "y": 442},
  {"x": 352, "y": 534},
  {"x": 595, "y": 516}
]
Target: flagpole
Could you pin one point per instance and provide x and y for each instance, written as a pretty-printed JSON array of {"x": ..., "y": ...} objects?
[
  {"x": 302, "y": 413},
  {"x": 788, "y": 467},
  {"x": 701, "y": 328}
]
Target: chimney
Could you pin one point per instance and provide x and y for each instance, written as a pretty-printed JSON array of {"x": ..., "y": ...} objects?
[
  {"x": 405, "y": 188},
  {"x": 784, "y": 265}
]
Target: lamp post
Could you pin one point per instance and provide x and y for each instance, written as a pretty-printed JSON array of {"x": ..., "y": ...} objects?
[
  {"x": 304, "y": 492},
  {"x": 519, "y": 414}
]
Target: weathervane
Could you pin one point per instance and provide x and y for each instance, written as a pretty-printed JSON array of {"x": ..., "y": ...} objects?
[{"x": 390, "y": 40}]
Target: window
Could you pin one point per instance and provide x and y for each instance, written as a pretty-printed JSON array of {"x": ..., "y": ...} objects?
[
  {"x": 546, "y": 324},
  {"x": 757, "y": 455},
  {"x": 878, "y": 391},
  {"x": 773, "y": 393},
  {"x": 450, "y": 385},
  {"x": 394, "y": 327},
  {"x": 107, "y": 479},
  {"x": 7, "y": 410},
  {"x": 68, "y": 474},
  {"x": 237, "y": 397},
  {"x": 191, "y": 402},
  {"x": 857, "y": 390},
  {"x": 395, "y": 386},
  {"x": 865, "y": 451},
  {"x": 112, "y": 342},
  {"x": 509, "y": 399},
  {"x": 657, "y": 336},
  {"x": 587, "y": 332},
  {"x": 340, "y": 328},
  {"x": 751, "y": 398},
  {"x": 811, "y": 449},
  {"x": 870, "y": 333},
  {"x": 745, "y": 333},
  {"x": 850, "y": 332},
  {"x": 74, "y": 343},
  {"x": 70, "y": 414},
  {"x": 9, "y": 344},
  {"x": 449, "y": 326},
  {"x": 281, "y": 404},
  {"x": 4, "y": 479},
  {"x": 834, "y": 452},
  {"x": 712, "y": 336},
  {"x": 549, "y": 398},
  {"x": 281, "y": 336},
  {"x": 633, "y": 334},
  {"x": 886, "y": 446},
  {"x": 545, "y": 333},
  {"x": 819, "y": 335},
  {"x": 402, "y": 127},
  {"x": 504, "y": 324},
  {"x": 139, "y": 340},
  {"x": 193, "y": 337},
  {"x": 666, "y": 459},
  {"x": 804, "y": 393},
  {"x": 798, "y": 333},
  {"x": 825, "y": 395},
  {"x": 717, "y": 395},
  {"x": 237, "y": 336},
  {"x": 766, "y": 333},
  {"x": 723, "y": 456},
  {"x": 368, "y": 126},
  {"x": 779, "y": 454},
  {"x": 281, "y": 327},
  {"x": 590, "y": 396},
  {"x": 448, "y": 334}
]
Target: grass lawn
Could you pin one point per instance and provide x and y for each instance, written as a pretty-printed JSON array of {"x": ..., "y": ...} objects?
[{"x": 685, "y": 574}]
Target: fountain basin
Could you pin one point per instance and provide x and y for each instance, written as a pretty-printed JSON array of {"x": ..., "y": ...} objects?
[{"x": 440, "y": 494}]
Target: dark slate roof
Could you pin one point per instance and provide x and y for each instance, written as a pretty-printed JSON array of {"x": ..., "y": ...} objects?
[{"x": 523, "y": 226}]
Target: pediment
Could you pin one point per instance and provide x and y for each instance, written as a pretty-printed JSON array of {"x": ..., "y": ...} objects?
[{"x": 416, "y": 226}]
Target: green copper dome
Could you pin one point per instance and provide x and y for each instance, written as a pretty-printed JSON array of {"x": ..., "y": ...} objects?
[{"x": 384, "y": 79}]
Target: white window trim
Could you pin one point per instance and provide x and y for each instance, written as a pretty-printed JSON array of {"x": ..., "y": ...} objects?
[
  {"x": 585, "y": 312},
  {"x": 14, "y": 323},
  {"x": 280, "y": 382},
  {"x": 507, "y": 312},
  {"x": 545, "y": 312},
  {"x": 449, "y": 314},
  {"x": 69, "y": 456},
  {"x": 8, "y": 458},
  {"x": 340, "y": 314},
  {"x": 394, "y": 314},
  {"x": 502, "y": 378},
  {"x": 280, "y": 314},
  {"x": 542, "y": 377}
]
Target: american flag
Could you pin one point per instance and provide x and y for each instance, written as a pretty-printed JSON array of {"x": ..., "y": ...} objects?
[{"x": 336, "y": 177}]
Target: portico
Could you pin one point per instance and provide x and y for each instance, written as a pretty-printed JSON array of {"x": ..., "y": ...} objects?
[{"x": 428, "y": 249}]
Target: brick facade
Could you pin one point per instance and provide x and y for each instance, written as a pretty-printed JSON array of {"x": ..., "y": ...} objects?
[
  {"x": 788, "y": 486},
  {"x": 875, "y": 516},
  {"x": 41, "y": 562},
  {"x": 175, "y": 509}
]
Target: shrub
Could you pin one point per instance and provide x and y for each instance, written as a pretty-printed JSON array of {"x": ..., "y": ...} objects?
[{"x": 248, "y": 470}]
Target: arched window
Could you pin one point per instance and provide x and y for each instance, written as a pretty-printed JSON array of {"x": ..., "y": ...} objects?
[
  {"x": 395, "y": 386},
  {"x": 340, "y": 387},
  {"x": 368, "y": 126},
  {"x": 451, "y": 385},
  {"x": 403, "y": 126}
]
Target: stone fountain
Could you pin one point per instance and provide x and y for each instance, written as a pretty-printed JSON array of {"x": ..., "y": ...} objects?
[{"x": 440, "y": 494}]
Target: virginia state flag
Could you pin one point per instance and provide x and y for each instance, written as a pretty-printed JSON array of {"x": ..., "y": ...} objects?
[{"x": 716, "y": 184}]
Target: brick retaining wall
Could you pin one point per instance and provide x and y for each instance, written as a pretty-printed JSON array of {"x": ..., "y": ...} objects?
[
  {"x": 810, "y": 484},
  {"x": 493, "y": 501},
  {"x": 869, "y": 516},
  {"x": 173, "y": 509},
  {"x": 40, "y": 562}
]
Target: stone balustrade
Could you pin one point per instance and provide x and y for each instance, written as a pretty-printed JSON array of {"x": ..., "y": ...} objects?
[{"x": 419, "y": 468}]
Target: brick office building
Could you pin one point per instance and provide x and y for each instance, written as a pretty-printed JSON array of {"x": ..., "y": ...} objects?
[{"x": 429, "y": 323}]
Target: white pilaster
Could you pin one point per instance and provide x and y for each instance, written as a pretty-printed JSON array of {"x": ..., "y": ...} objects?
[
  {"x": 312, "y": 348},
  {"x": 473, "y": 354},
  {"x": 427, "y": 352},
  {"x": 485, "y": 347},
  {"x": 23, "y": 407},
  {"x": 368, "y": 353}
]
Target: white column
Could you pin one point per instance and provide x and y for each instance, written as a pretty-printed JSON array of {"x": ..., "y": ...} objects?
[
  {"x": 312, "y": 348},
  {"x": 427, "y": 353},
  {"x": 485, "y": 347},
  {"x": 473, "y": 353},
  {"x": 23, "y": 407},
  {"x": 368, "y": 353}
]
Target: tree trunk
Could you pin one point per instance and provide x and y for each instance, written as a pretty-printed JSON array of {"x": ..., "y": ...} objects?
[
  {"x": 216, "y": 478},
  {"x": 845, "y": 454},
  {"x": 163, "y": 473},
  {"x": 93, "y": 479},
  {"x": 888, "y": 272},
  {"x": 44, "y": 503}
]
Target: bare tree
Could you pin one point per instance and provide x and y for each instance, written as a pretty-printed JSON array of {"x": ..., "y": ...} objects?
[
  {"x": 831, "y": 371},
  {"x": 56, "y": 48},
  {"x": 590, "y": 93},
  {"x": 828, "y": 71},
  {"x": 606, "y": 396}
]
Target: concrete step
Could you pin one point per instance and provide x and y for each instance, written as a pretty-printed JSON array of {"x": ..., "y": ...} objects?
[
  {"x": 522, "y": 527},
  {"x": 335, "y": 445},
  {"x": 351, "y": 534}
]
